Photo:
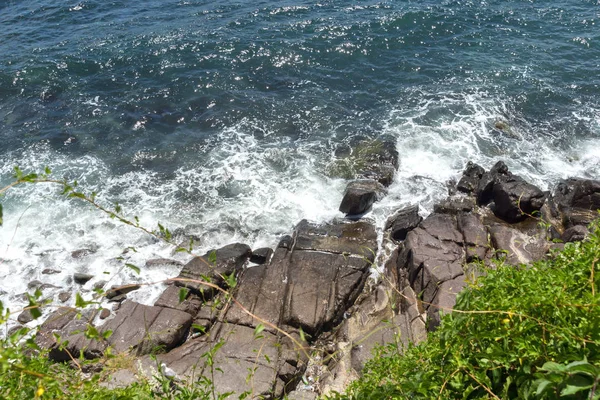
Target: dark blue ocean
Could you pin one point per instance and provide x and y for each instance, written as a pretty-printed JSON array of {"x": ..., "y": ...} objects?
[{"x": 222, "y": 119}]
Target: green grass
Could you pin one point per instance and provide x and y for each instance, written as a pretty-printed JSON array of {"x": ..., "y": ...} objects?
[{"x": 517, "y": 333}]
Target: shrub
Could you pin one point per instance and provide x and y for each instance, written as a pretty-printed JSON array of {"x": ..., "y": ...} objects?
[{"x": 517, "y": 333}]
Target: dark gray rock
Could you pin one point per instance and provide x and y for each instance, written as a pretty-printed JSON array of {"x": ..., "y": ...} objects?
[
  {"x": 49, "y": 271},
  {"x": 576, "y": 200},
  {"x": 454, "y": 205},
  {"x": 160, "y": 262},
  {"x": 262, "y": 255},
  {"x": 498, "y": 174},
  {"x": 475, "y": 236},
  {"x": 517, "y": 245},
  {"x": 431, "y": 255},
  {"x": 25, "y": 317},
  {"x": 64, "y": 296},
  {"x": 360, "y": 196},
  {"x": 118, "y": 298},
  {"x": 262, "y": 365},
  {"x": 403, "y": 221},
  {"x": 469, "y": 182},
  {"x": 119, "y": 290},
  {"x": 575, "y": 233},
  {"x": 82, "y": 253},
  {"x": 170, "y": 299},
  {"x": 82, "y": 278},
  {"x": 290, "y": 290},
  {"x": 516, "y": 199},
  {"x": 229, "y": 259},
  {"x": 146, "y": 329},
  {"x": 105, "y": 313},
  {"x": 69, "y": 326}
]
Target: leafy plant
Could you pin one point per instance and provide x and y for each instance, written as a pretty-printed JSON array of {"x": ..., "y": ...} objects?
[{"x": 531, "y": 332}]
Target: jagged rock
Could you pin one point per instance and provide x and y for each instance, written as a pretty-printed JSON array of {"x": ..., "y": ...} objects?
[
  {"x": 454, "y": 205},
  {"x": 263, "y": 365},
  {"x": 291, "y": 290},
  {"x": 170, "y": 299},
  {"x": 229, "y": 259},
  {"x": 444, "y": 300},
  {"x": 146, "y": 329},
  {"x": 577, "y": 200},
  {"x": 431, "y": 255},
  {"x": 159, "y": 262},
  {"x": 575, "y": 233},
  {"x": 516, "y": 199},
  {"x": 475, "y": 236},
  {"x": 65, "y": 323},
  {"x": 499, "y": 173},
  {"x": 82, "y": 278},
  {"x": 262, "y": 255},
  {"x": 403, "y": 221},
  {"x": 115, "y": 290},
  {"x": 360, "y": 196},
  {"x": 517, "y": 244},
  {"x": 469, "y": 182},
  {"x": 135, "y": 326}
]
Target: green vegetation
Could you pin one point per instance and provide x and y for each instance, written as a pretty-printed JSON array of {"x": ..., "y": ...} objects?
[{"x": 518, "y": 333}]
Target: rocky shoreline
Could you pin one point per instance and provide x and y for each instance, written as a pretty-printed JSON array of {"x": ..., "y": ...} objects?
[{"x": 306, "y": 314}]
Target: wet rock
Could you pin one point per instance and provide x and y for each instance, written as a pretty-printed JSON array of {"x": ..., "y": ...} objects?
[
  {"x": 25, "y": 317},
  {"x": 146, "y": 329},
  {"x": 575, "y": 233},
  {"x": 371, "y": 159},
  {"x": 81, "y": 253},
  {"x": 454, "y": 205},
  {"x": 160, "y": 262},
  {"x": 285, "y": 242},
  {"x": 403, "y": 221},
  {"x": 49, "y": 271},
  {"x": 262, "y": 255},
  {"x": 499, "y": 173},
  {"x": 82, "y": 278},
  {"x": 105, "y": 313},
  {"x": 64, "y": 296},
  {"x": 116, "y": 291},
  {"x": 360, "y": 196},
  {"x": 99, "y": 285},
  {"x": 170, "y": 299},
  {"x": 516, "y": 199},
  {"x": 577, "y": 201},
  {"x": 35, "y": 284},
  {"x": 118, "y": 298},
  {"x": 229, "y": 259},
  {"x": 469, "y": 182}
]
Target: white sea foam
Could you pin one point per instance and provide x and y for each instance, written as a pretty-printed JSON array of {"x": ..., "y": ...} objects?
[{"x": 254, "y": 191}]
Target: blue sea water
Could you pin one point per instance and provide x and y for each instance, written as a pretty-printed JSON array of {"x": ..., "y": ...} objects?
[{"x": 222, "y": 118}]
